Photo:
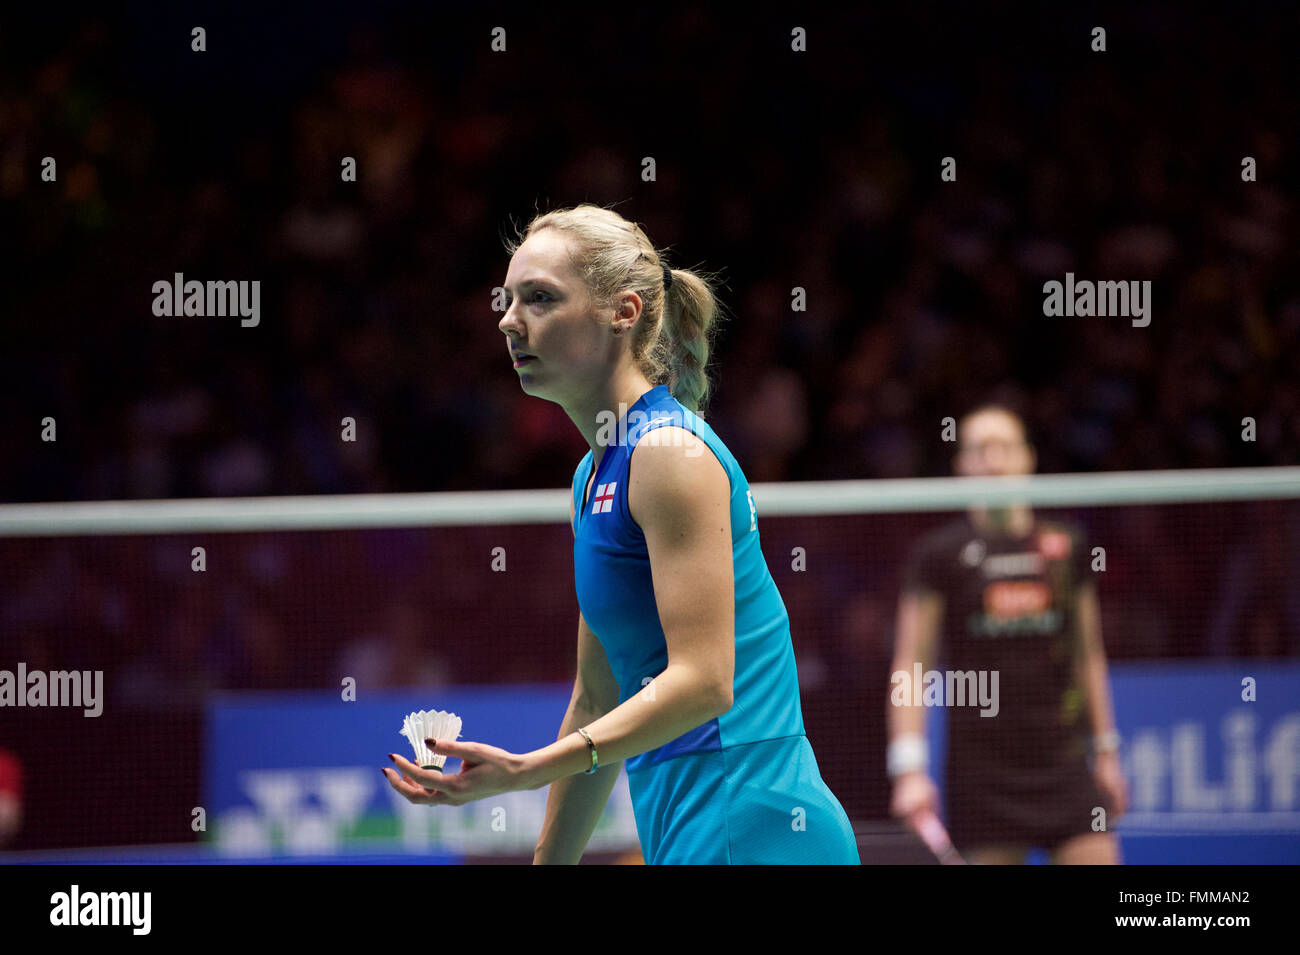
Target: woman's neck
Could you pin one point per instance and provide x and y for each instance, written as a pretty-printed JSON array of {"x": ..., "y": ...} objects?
[
  {"x": 596, "y": 413},
  {"x": 1014, "y": 521}
]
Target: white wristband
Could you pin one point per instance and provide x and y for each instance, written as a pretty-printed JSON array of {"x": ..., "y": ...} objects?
[
  {"x": 1106, "y": 742},
  {"x": 907, "y": 753}
]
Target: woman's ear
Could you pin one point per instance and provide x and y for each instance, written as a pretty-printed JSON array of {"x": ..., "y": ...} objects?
[{"x": 627, "y": 310}]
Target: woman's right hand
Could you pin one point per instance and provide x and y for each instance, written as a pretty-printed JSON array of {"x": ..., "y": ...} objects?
[{"x": 913, "y": 792}]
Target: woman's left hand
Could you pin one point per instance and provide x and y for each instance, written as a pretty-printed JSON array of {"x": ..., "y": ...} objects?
[
  {"x": 484, "y": 771},
  {"x": 1110, "y": 779}
]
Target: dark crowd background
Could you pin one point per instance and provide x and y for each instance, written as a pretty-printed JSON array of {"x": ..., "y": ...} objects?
[{"x": 817, "y": 170}]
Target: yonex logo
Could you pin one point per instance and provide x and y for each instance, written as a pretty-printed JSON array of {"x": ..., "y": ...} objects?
[
  {"x": 603, "y": 502},
  {"x": 643, "y": 429}
]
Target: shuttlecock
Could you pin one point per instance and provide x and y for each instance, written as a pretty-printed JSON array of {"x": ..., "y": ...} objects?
[{"x": 431, "y": 724}]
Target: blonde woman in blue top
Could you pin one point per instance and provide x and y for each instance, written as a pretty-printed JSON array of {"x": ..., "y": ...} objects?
[{"x": 685, "y": 666}]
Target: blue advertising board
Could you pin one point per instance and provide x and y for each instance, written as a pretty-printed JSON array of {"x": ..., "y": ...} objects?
[
  {"x": 1211, "y": 755},
  {"x": 299, "y": 775}
]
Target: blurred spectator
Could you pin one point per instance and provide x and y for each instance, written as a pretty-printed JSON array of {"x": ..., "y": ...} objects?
[
  {"x": 397, "y": 653},
  {"x": 11, "y": 797}
]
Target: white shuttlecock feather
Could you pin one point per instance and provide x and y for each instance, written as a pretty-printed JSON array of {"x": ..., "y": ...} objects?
[{"x": 431, "y": 724}]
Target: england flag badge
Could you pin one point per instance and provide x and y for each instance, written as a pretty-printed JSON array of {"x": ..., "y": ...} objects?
[{"x": 603, "y": 502}]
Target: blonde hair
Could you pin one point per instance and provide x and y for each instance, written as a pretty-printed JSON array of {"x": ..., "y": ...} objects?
[{"x": 672, "y": 339}]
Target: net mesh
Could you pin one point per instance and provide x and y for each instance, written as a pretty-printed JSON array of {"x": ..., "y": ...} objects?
[{"x": 301, "y": 610}]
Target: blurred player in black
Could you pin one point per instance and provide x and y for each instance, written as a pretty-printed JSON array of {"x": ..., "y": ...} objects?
[{"x": 1003, "y": 590}]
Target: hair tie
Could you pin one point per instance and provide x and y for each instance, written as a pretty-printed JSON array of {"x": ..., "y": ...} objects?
[{"x": 668, "y": 278}]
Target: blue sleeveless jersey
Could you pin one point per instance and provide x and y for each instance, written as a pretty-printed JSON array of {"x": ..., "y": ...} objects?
[
  {"x": 616, "y": 595},
  {"x": 695, "y": 810}
]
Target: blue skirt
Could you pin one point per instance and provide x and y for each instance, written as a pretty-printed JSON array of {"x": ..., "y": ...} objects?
[{"x": 749, "y": 804}]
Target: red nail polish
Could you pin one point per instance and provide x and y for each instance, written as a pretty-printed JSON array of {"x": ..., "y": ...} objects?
[{"x": 392, "y": 757}]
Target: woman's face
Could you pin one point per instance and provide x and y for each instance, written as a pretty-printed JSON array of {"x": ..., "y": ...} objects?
[
  {"x": 558, "y": 347},
  {"x": 993, "y": 445}
]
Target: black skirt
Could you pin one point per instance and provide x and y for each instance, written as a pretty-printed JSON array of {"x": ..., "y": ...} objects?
[{"x": 990, "y": 805}]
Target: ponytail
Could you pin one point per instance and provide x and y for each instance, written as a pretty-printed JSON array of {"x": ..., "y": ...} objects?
[{"x": 685, "y": 335}]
